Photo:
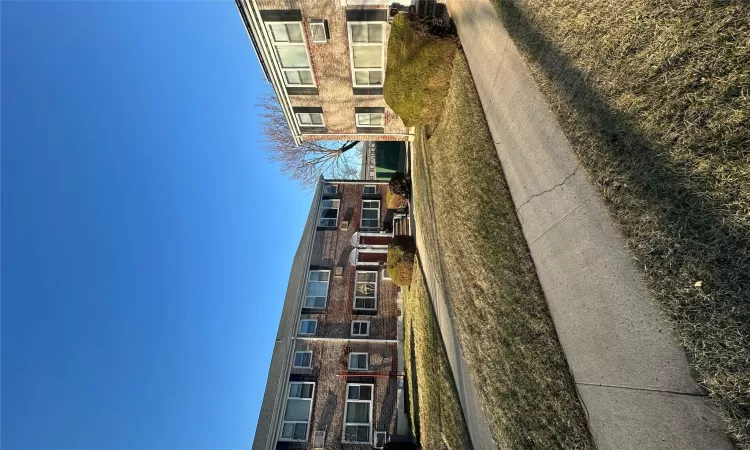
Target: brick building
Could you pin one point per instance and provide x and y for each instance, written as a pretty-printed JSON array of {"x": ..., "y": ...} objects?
[
  {"x": 337, "y": 365},
  {"x": 326, "y": 63}
]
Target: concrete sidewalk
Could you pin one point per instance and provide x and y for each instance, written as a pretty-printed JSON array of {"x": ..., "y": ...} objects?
[{"x": 632, "y": 376}]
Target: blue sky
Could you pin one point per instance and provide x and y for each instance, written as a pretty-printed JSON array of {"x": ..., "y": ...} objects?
[{"x": 146, "y": 241}]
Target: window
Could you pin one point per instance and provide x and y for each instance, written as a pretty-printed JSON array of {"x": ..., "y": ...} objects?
[
  {"x": 308, "y": 326},
  {"x": 318, "y": 31},
  {"x": 291, "y": 52},
  {"x": 303, "y": 360},
  {"x": 297, "y": 411},
  {"x": 329, "y": 213},
  {"x": 330, "y": 189},
  {"x": 381, "y": 437},
  {"x": 360, "y": 328},
  {"x": 358, "y": 413},
  {"x": 366, "y": 290},
  {"x": 367, "y": 52},
  {"x": 310, "y": 119},
  {"x": 369, "y": 189},
  {"x": 317, "y": 289},
  {"x": 370, "y": 214},
  {"x": 370, "y": 119},
  {"x": 357, "y": 361}
]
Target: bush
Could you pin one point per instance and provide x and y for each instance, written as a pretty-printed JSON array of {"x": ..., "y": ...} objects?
[
  {"x": 395, "y": 201},
  {"x": 400, "y": 262},
  {"x": 400, "y": 184},
  {"x": 420, "y": 61}
]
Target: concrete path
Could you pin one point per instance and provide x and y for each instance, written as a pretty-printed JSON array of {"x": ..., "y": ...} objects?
[
  {"x": 476, "y": 421},
  {"x": 632, "y": 375}
]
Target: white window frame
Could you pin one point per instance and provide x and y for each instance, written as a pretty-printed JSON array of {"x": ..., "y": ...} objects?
[
  {"x": 309, "y": 415},
  {"x": 374, "y": 297},
  {"x": 385, "y": 439},
  {"x": 360, "y": 322},
  {"x": 362, "y": 215},
  {"x": 278, "y": 60},
  {"x": 307, "y": 288},
  {"x": 300, "y": 352},
  {"x": 299, "y": 121},
  {"x": 367, "y": 361},
  {"x": 361, "y": 125},
  {"x": 332, "y": 201},
  {"x": 352, "y": 44},
  {"x": 347, "y": 400},
  {"x": 315, "y": 321},
  {"x": 330, "y": 189},
  {"x": 374, "y": 189}
]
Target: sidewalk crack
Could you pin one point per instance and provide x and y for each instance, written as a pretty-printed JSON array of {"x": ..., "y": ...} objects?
[
  {"x": 518, "y": 210},
  {"x": 635, "y": 388}
]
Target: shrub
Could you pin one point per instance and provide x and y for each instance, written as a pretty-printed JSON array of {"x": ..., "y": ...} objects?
[
  {"x": 420, "y": 61},
  {"x": 400, "y": 262},
  {"x": 400, "y": 184},
  {"x": 395, "y": 201}
]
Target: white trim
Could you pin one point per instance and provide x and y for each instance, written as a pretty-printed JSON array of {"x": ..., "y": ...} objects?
[
  {"x": 382, "y": 121},
  {"x": 299, "y": 352},
  {"x": 352, "y": 44},
  {"x": 299, "y": 122},
  {"x": 360, "y": 322},
  {"x": 374, "y": 296},
  {"x": 347, "y": 400},
  {"x": 307, "y": 286},
  {"x": 331, "y": 201},
  {"x": 309, "y": 414},
  {"x": 367, "y": 361},
  {"x": 299, "y": 330},
  {"x": 362, "y": 215},
  {"x": 374, "y": 186},
  {"x": 276, "y": 58},
  {"x": 321, "y": 24}
]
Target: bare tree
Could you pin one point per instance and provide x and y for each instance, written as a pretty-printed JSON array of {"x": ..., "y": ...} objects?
[{"x": 307, "y": 161}]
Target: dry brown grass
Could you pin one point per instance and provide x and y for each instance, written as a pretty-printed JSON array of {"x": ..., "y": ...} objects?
[
  {"x": 476, "y": 246},
  {"x": 655, "y": 98},
  {"x": 436, "y": 414}
]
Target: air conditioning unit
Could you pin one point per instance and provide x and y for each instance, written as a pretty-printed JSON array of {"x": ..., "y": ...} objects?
[
  {"x": 338, "y": 271},
  {"x": 318, "y": 31},
  {"x": 344, "y": 225},
  {"x": 319, "y": 440}
]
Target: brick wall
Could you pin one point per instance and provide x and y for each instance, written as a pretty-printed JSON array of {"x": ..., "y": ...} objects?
[
  {"x": 332, "y": 71},
  {"x": 331, "y": 248}
]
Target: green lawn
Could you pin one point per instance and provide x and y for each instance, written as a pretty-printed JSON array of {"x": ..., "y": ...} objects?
[
  {"x": 475, "y": 244},
  {"x": 435, "y": 410},
  {"x": 655, "y": 98}
]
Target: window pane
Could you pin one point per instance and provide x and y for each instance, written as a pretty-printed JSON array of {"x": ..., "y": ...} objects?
[
  {"x": 359, "y": 32},
  {"x": 363, "y": 119},
  {"x": 317, "y": 119},
  {"x": 306, "y": 76},
  {"x": 374, "y": 33},
  {"x": 367, "y": 56},
  {"x": 292, "y": 77},
  {"x": 300, "y": 390},
  {"x": 376, "y": 119},
  {"x": 294, "y": 31},
  {"x": 316, "y": 275},
  {"x": 292, "y": 56},
  {"x": 365, "y": 392},
  {"x": 376, "y": 77},
  {"x": 362, "y": 78},
  {"x": 279, "y": 33},
  {"x": 297, "y": 410},
  {"x": 353, "y": 393},
  {"x": 357, "y": 412},
  {"x": 304, "y": 118},
  {"x": 370, "y": 213},
  {"x": 367, "y": 276},
  {"x": 297, "y": 431}
]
